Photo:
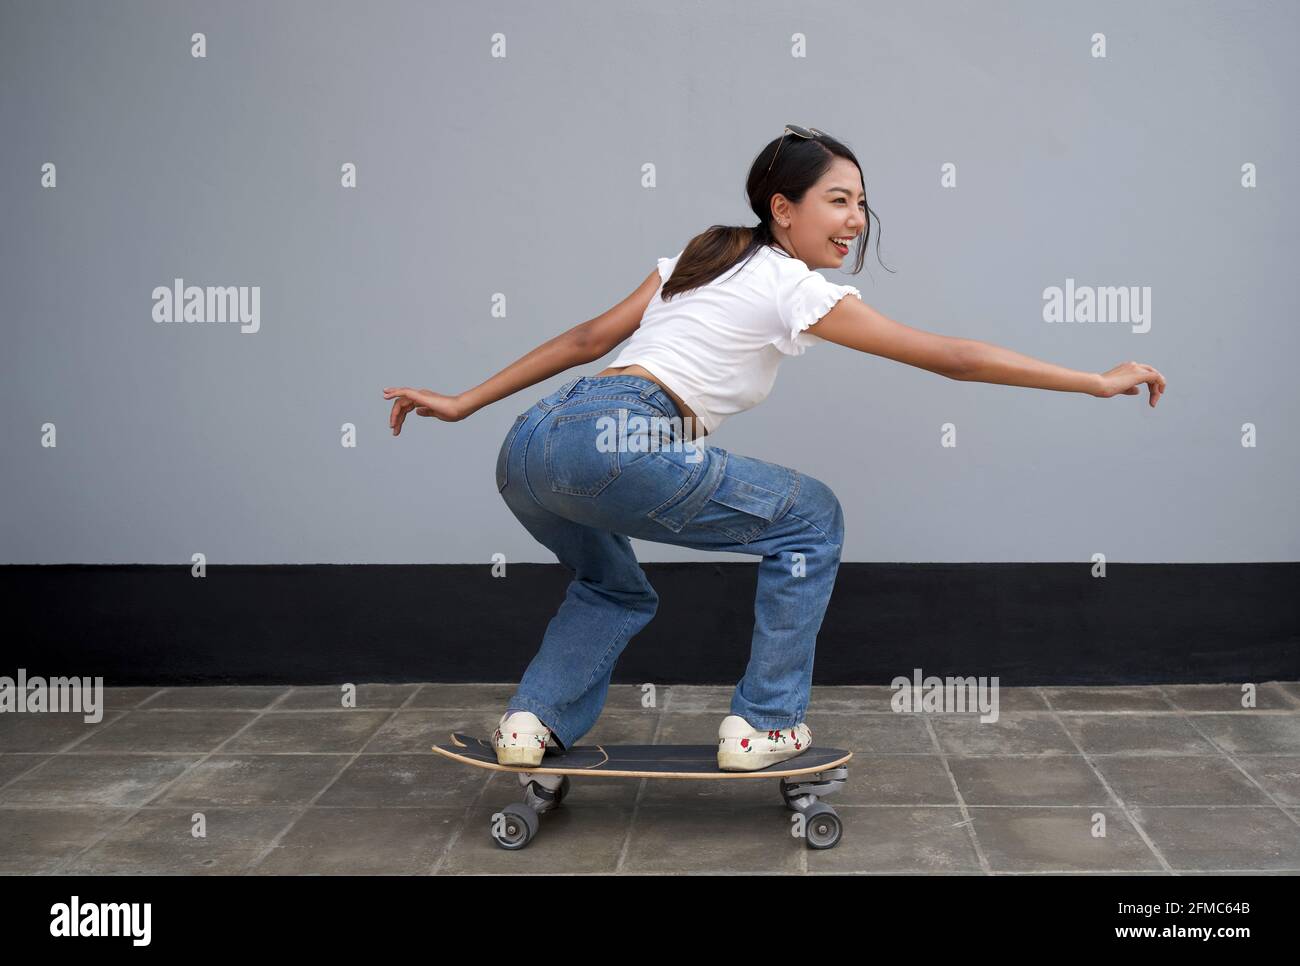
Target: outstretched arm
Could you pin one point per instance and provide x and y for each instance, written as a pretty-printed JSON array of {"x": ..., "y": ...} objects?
[
  {"x": 566, "y": 350},
  {"x": 853, "y": 323},
  {"x": 581, "y": 344},
  {"x": 985, "y": 362}
]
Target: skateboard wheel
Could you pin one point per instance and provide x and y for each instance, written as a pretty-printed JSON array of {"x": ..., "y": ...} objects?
[
  {"x": 518, "y": 826},
  {"x": 822, "y": 828},
  {"x": 562, "y": 790}
]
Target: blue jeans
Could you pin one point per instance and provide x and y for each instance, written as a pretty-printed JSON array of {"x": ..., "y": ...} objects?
[{"x": 582, "y": 498}]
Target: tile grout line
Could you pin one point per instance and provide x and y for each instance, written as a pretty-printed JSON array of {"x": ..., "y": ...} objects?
[
  {"x": 966, "y": 818},
  {"x": 1122, "y": 805},
  {"x": 51, "y": 755},
  {"x": 1235, "y": 764},
  {"x": 300, "y": 810},
  {"x": 641, "y": 787},
  {"x": 455, "y": 835},
  {"x": 68, "y": 860},
  {"x": 67, "y": 747}
]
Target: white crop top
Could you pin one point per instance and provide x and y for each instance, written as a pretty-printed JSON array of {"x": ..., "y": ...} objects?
[{"x": 718, "y": 346}]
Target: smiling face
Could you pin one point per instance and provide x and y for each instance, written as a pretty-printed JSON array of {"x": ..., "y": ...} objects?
[{"x": 835, "y": 207}]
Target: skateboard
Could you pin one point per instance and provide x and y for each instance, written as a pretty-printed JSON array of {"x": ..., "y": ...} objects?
[{"x": 805, "y": 780}]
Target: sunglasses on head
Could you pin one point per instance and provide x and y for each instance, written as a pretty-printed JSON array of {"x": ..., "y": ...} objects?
[{"x": 795, "y": 129}]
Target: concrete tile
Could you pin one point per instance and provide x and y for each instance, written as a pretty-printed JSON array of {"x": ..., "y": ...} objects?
[
  {"x": 1044, "y": 780},
  {"x": 733, "y": 838},
  {"x": 1222, "y": 838},
  {"x": 417, "y": 780},
  {"x": 637, "y": 727},
  {"x": 870, "y": 734},
  {"x": 126, "y": 699},
  {"x": 167, "y": 731},
  {"x": 363, "y": 841},
  {"x": 849, "y": 699},
  {"x": 897, "y": 840},
  {"x": 1269, "y": 695},
  {"x": 1136, "y": 734},
  {"x": 1027, "y": 839},
  {"x": 419, "y": 730},
  {"x": 1083, "y": 872},
  {"x": 368, "y": 697},
  {"x": 1252, "y": 732},
  {"x": 1279, "y": 774},
  {"x": 225, "y": 698},
  {"x": 52, "y": 731},
  {"x": 112, "y": 780},
  {"x": 1014, "y": 733},
  {"x": 895, "y": 780},
  {"x": 1009, "y": 699},
  {"x": 13, "y": 765},
  {"x": 1107, "y": 699},
  {"x": 308, "y": 731},
  {"x": 686, "y": 728},
  {"x": 966, "y": 872},
  {"x": 34, "y": 841},
  {"x": 161, "y": 841},
  {"x": 889, "y": 700},
  {"x": 482, "y": 699},
  {"x": 711, "y": 699},
  {"x": 1178, "y": 780},
  {"x": 254, "y": 780}
]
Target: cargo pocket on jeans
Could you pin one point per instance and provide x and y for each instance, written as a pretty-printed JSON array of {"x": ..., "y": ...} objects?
[
  {"x": 752, "y": 496},
  {"x": 750, "y": 509},
  {"x": 503, "y": 457}
]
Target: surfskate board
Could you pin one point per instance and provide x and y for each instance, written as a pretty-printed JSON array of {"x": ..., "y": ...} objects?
[{"x": 805, "y": 780}]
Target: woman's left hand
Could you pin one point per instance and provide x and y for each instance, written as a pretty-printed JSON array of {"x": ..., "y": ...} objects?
[{"x": 425, "y": 402}]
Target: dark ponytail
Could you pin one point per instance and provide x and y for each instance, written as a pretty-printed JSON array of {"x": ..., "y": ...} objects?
[{"x": 711, "y": 253}]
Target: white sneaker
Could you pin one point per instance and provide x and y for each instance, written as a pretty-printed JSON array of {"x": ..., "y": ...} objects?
[
  {"x": 521, "y": 739},
  {"x": 744, "y": 748}
]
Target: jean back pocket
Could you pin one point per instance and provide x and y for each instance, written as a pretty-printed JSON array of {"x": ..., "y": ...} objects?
[{"x": 583, "y": 451}]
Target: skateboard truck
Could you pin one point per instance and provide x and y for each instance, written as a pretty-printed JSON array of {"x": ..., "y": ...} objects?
[{"x": 822, "y": 825}]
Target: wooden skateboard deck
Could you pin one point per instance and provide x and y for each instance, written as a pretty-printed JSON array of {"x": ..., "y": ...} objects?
[
  {"x": 638, "y": 761},
  {"x": 805, "y": 780}
]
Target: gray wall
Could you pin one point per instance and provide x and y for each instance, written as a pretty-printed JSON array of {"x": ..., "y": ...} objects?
[{"x": 522, "y": 175}]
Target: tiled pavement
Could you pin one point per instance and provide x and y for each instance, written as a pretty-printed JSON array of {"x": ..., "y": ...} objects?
[{"x": 282, "y": 780}]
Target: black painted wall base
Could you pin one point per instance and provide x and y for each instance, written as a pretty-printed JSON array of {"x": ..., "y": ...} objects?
[{"x": 1029, "y": 624}]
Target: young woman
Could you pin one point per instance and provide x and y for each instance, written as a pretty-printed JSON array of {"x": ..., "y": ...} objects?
[{"x": 704, "y": 347}]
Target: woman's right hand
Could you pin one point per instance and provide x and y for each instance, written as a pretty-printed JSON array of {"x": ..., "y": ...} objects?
[
  {"x": 1125, "y": 378},
  {"x": 425, "y": 402}
]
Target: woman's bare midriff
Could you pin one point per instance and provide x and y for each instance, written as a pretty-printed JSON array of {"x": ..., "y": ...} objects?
[{"x": 692, "y": 428}]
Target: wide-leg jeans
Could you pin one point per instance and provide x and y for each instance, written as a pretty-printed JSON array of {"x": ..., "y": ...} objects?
[{"x": 603, "y": 459}]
